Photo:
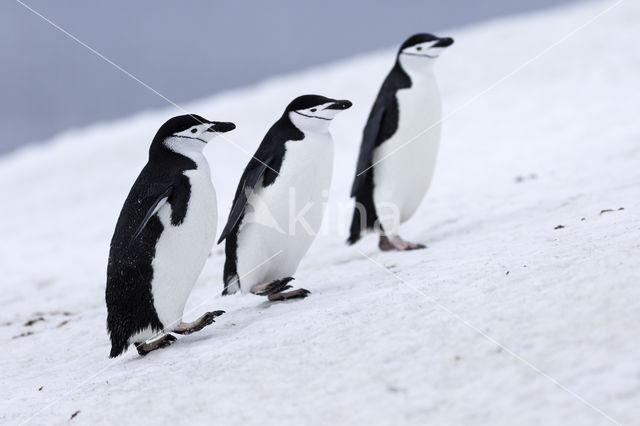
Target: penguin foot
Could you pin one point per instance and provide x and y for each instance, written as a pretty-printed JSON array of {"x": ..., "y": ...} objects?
[
  {"x": 144, "y": 348},
  {"x": 272, "y": 287},
  {"x": 397, "y": 243},
  {"x": 191, "y": 327},
  {"x": 300, "y": 293}
]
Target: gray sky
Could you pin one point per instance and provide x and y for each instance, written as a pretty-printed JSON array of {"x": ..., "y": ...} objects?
[{"x": 188, "y": 49}]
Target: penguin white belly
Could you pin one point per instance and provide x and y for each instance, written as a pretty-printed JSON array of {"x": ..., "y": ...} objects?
[
  {"x": 407, "y": 159},
  {"x": 284, "y": 218},
  {"x": 181, "y": 251}
]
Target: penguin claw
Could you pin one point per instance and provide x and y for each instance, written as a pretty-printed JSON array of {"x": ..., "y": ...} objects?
[
  {"x": 277, "y": 286},
  {"x": 300, "y": 293},
  {"x": 209, "y": 318},
  {"x": 415, "y": 246},
  {"x": 206, "y": 319},
  {"x": 144, "y": 348},
  {"x": 303, "y": 293},
  {"x": 167, "y": 340},
  {"x": 398, "y": 244}
]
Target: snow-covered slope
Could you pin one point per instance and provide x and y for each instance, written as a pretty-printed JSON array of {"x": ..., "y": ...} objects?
[{"x": 506, "y": 318}]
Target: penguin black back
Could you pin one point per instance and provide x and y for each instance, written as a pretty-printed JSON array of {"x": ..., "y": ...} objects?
[
  {"x": 129, "y": 272},
  {"x": 382, "y": 124},
  {"x": 265, "y": 166}
]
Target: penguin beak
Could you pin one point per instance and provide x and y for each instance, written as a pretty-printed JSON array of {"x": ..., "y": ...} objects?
[
  {"x": 221, "y": 127},
  {"x": 444, "y": 42},
  {"x": 340, "y": 105}
]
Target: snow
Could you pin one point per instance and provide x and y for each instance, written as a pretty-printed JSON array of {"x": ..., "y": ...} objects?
[{"x": 554, "y": 144}]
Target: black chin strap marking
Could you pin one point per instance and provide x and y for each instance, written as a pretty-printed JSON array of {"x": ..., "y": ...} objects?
[
  {"x": 313, "y": 116},
  {"x": 188, "y": 137},
  {"x": 417, "y": 54}
]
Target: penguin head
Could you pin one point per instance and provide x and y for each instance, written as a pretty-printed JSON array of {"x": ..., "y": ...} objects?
[
  {"x": 420, "y": 50},
  {"x": 314, "y": 112},
  {"x": 189, "y": 132}
]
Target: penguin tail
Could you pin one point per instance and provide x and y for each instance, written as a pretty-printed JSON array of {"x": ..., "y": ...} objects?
[
  {"x": 230, "y": 273},
  {"x": 117, "y": 349},
  {"x": 364, "y": 217},
  {"x": 117, "y": 332},
  {"x": 119, "y": 343},
  {"x": 355, "y": 231},
  {"x": 231, "y": 284}
]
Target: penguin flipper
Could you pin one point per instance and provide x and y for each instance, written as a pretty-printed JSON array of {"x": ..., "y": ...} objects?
[
  {"x": 158, "y": 201},
  {"x": 252, "y": 174},
  {"x": 365, "y": 215},
  {"x": 370, "y": 139}
]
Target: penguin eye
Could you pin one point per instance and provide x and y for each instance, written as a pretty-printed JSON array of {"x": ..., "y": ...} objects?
[
  {"x": 194, "y": 130},
  {"x": 419, "y": 48},
  {"x": 313, "y": 110}
]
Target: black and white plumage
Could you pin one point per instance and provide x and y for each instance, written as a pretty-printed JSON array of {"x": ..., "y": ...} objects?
[
  {"x": 292, "y": 167},
  {"x": 162, "y": 238},
  {"x": 399, "y": 144}
]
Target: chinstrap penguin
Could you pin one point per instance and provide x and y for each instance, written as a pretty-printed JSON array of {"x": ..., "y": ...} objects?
[
  {"x": 164, "y": 234},
  {"x": 399, "y": 144},
  {"x": 287, "y": 178}
]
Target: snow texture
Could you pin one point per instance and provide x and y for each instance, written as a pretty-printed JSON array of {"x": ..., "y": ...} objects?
[{"x": 522, "y": 251}]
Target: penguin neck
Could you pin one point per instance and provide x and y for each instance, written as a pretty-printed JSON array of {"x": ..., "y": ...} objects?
[
  {"x": 416, "y": 67},
  {"x": 309, "y": 124}
]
